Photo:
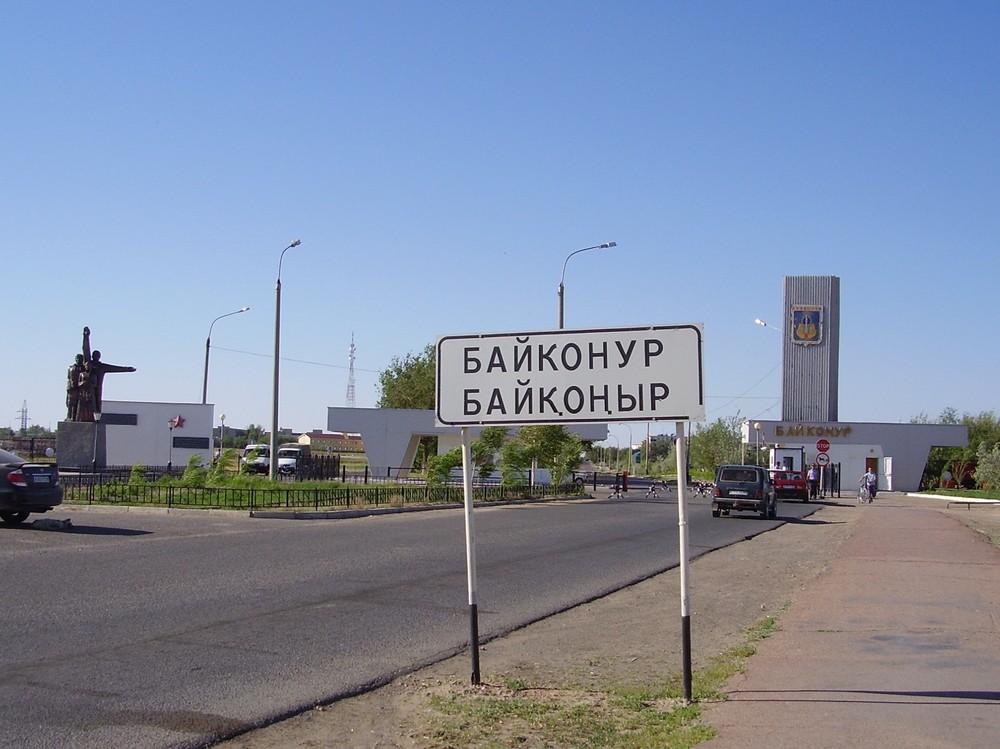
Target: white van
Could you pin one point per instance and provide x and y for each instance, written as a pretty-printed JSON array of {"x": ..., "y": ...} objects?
[
  {"x": 261, "y": 460},
  {"x": 291, "y": 456}
]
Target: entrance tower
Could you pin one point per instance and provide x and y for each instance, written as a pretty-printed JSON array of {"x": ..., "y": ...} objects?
[{"x": 811, "y": 349}]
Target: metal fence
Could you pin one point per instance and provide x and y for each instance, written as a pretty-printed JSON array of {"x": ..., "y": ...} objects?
[
  {"x": 29, "y": 447},
  {"x": 85, "y": 489}
]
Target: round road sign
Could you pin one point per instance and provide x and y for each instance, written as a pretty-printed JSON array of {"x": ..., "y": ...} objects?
[{"x": 823, "y": 459}]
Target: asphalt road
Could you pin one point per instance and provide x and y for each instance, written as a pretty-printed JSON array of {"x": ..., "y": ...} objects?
[{"x": 154, "y": 630}]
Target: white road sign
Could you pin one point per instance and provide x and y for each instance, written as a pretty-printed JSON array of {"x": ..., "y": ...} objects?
[{"x": 651, "y": 373}]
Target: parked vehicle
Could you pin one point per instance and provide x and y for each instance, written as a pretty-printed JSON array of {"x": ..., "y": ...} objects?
[
  {"x": 291, "y": 457},
  {"x": 257, "y": 458},
  {"x": 744, "y": 488},
  {"x": 790, "y": 485},
  {"x": 26, "y": 487}
]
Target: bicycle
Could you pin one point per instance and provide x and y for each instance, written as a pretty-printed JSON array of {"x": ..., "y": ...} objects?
[{"x": 864, "y": 494}]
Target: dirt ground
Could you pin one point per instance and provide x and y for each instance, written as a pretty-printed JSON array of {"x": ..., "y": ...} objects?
[{"x": 631, "y": 637}]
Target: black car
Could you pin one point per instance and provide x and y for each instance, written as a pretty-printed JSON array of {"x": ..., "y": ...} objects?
[
  {"x": 26, "y": 487},
  {"x": 744, "y": 488}
]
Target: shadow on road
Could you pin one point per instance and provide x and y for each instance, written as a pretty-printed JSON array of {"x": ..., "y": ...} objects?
[{"x": 76, "y": 530}]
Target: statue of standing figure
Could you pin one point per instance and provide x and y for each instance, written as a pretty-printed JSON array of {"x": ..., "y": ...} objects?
[{"x": 85, "y": 382}]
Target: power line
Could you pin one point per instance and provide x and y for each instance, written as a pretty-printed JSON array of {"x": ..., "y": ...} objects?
[{"x": 285, "y": 358}]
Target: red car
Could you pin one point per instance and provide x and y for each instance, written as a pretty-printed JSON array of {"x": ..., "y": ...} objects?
[{"x": 790, "y": 485}]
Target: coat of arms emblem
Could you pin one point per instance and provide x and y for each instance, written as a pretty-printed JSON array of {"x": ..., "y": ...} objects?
[{"x": 807, "y": 324}]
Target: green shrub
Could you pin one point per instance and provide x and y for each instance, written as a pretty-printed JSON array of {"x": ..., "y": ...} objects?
[
  {"x": 224, "y": 467},
  {"x": 138, "y": 476},
  {"x": 195, "y": 474},
  {"x": 988, "y": 471}
]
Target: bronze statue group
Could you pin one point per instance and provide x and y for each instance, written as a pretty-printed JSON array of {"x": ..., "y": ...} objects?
[{"x": 85, "y": 383}]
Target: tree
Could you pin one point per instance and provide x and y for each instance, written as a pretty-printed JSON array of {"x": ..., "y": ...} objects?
[
  {"x": 409, "y": 382},
  {"x": 550, "y": 446},
  {"x": 984, "y": 428},
  {"x": 488, "y": 445},
  {"x": 662, "y": 458},
  {"x": 439, "y": 466},
  {"x": 514, "y": 462},
  {"x": 254, "y": 434},
  {"x": 988, "y": 469},
  {"x": 716, "y": 444}
]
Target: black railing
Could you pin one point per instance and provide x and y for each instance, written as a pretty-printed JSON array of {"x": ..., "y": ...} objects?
[
  {"x": 29, "y": 447},
  {"x": 88, "y": 489}
]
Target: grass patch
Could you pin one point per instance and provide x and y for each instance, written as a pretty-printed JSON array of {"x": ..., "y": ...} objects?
[
  {"x": 517, "y": 714},
  {"x": 963, "y": 493}
]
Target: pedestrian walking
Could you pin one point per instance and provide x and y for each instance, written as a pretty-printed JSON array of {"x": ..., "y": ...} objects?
[
  {"x": 869, "y": 485},
  {"x": 812, "y": 477},
  {"x": 871, "y": 478}
]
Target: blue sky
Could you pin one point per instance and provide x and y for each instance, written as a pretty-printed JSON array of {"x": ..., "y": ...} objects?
[{"x": 440, "y": 160}]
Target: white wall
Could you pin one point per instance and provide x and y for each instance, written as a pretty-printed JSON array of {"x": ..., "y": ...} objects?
[
  {"x": 850, "y": 443},
  {"x": 148, "y": 441}
]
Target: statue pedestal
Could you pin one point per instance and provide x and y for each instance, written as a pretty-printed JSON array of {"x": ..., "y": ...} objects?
[{"x": 81, "y": 444}]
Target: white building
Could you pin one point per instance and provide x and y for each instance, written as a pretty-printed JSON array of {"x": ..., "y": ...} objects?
[
  {"x": 809, "y": 427},
  {"x": 897, "y": 453},
  {"x": 138, "y": 433}
]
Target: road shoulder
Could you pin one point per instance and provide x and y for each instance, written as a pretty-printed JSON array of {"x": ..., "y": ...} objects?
[{"x": 631, "y": 637}]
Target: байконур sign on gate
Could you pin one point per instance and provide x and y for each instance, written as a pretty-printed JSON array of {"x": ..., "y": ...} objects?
[{"x": 650, "y": 373}]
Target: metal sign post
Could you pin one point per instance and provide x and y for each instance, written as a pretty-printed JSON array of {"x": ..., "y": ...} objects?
[
  {"x": 470, "y": 554},
  {"x": 682, "y": 529},
  {"x": 649, "y": 373}
]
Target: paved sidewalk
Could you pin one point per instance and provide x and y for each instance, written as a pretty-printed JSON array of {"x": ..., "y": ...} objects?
[{"x": 897, "y": 644}]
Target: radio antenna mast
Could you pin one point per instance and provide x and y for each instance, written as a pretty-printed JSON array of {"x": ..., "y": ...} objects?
[{"x": 350, "y": 375}]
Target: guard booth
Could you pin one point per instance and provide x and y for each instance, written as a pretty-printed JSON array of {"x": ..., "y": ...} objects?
[{"x": 788, "y": 458}]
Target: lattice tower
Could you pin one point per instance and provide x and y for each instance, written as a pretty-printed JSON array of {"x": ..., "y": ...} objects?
[{"x": 350, "y": 375}]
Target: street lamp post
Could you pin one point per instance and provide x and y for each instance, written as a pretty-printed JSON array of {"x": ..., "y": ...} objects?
[
  {"x": 170, "y": 448},
  {"x": 208, "y": 346},
  {"x": 776, "y": 330},
  {"x": 97, "y": 431},
  {"x": 277, "y": 350},
  {"x": 562, "y": 278}
]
